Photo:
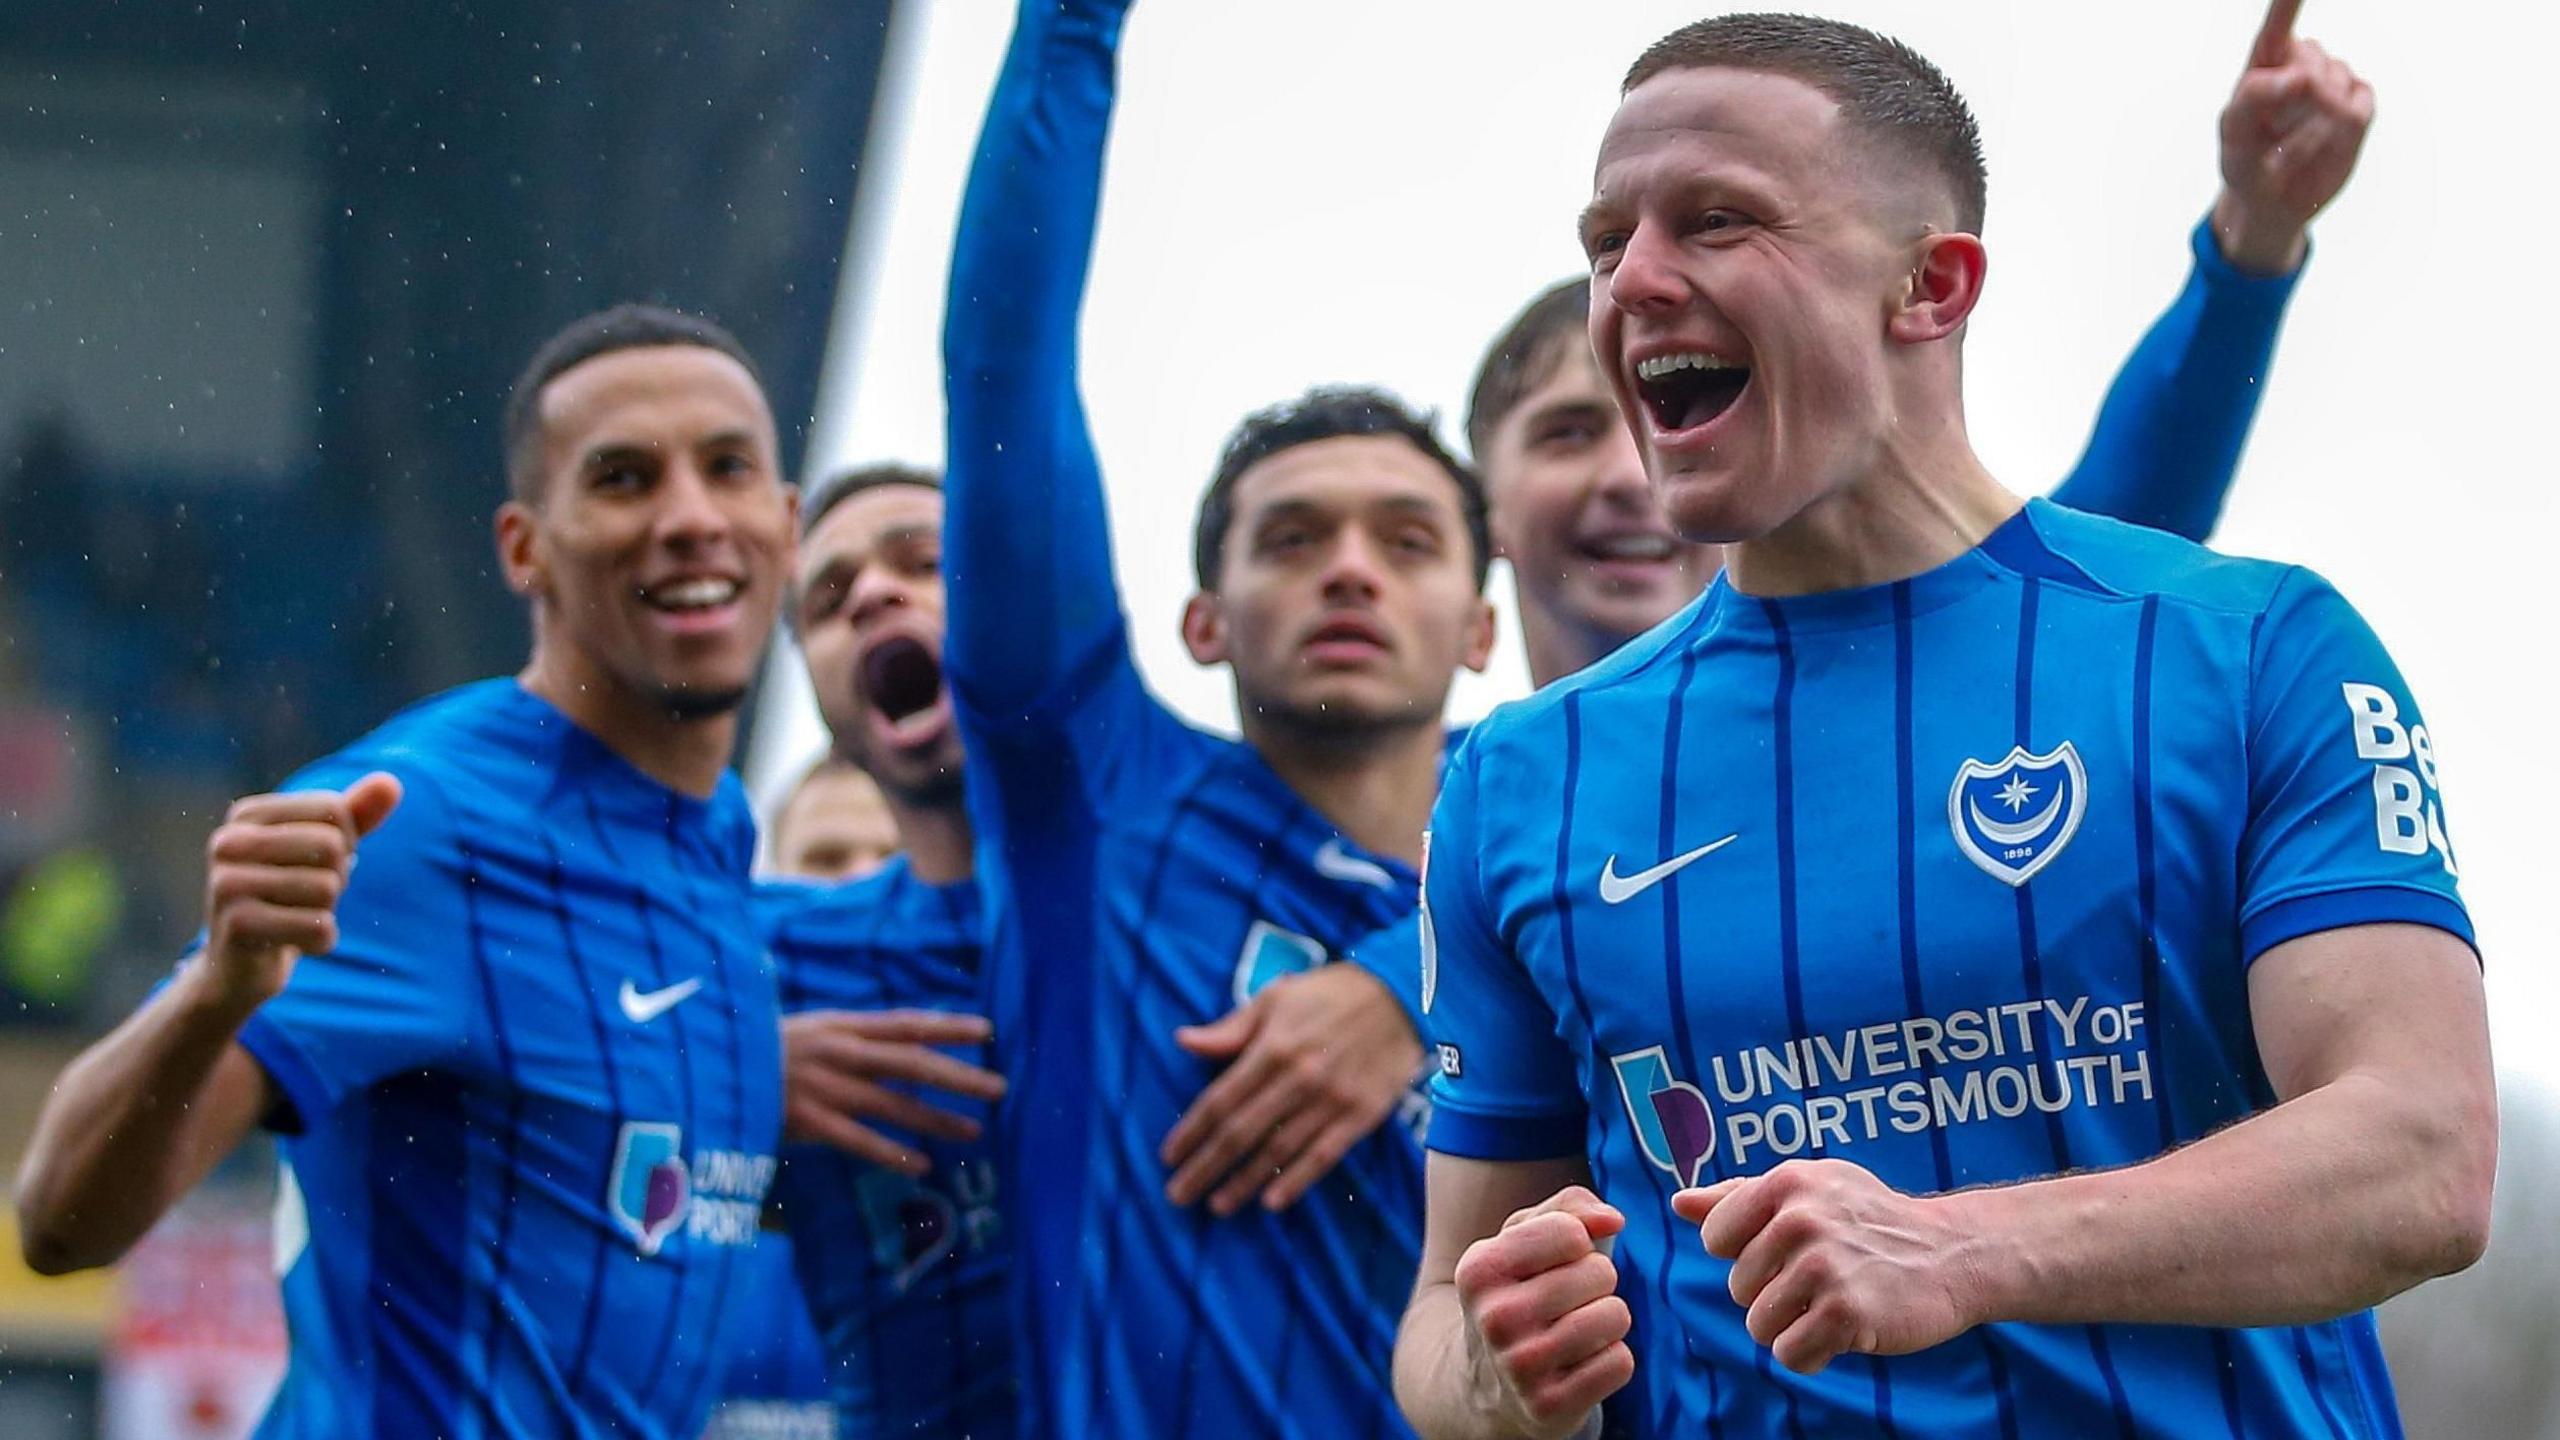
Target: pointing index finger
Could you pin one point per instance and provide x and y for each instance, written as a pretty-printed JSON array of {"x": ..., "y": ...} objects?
[{"x": 2274, "y": 44}]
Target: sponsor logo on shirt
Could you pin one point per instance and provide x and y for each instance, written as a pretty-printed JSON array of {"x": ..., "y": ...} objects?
[
  {"x": 2014, "y": 816},
  {"x": 914, "y": 1226},
  {"x": 715, "y": 1197},
  {"x": 2408, "y": 819},
  {"x": 1270, "y": 953},
  {"x": 1829, "y": 1092}
]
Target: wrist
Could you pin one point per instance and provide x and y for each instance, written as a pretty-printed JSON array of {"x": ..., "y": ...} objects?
[
  {"x": 1985, "y": 1268},
  {"x": 212, "y": 997},
  {"x": 2255, "y": 244}
]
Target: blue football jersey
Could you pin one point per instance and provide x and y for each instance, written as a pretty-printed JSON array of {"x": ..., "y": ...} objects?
[
  {"x": 1141, "y": 875},
  {"x": 905, "y": 1277},
  {"x": 1958, "y": 879},
  {"x": 530, "y": 1103},
  {"x": 776, "y": 1387}
]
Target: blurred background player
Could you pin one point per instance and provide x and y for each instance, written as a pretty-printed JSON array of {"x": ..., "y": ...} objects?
[
  {"x": 834, "y": 825},
  {"x": 2233, "y": 1085},
  {"x": 891, "y": 1199},
  {"x": 1166, "y": 901},
  {"x": 524, "y": 1059}
]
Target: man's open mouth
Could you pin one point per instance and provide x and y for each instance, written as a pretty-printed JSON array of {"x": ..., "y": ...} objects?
[
  {"x": 901, "y": 677},
  {"x": 1689, "y": 389}
]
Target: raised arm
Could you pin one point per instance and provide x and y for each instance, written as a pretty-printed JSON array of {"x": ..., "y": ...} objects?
[
  {"x": 1027, "y": 543},
  {"x": 2169, "y": 437}
]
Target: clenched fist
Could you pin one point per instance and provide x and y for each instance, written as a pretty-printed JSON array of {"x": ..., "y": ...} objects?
[
  {"x": 1546, "y": 1331},
  {"x": 1828, "y": 1260},
  {"x": 274, "y": 874}
]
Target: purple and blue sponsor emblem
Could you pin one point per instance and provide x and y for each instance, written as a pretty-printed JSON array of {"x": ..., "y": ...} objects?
[
  {"x": 652, "y": 1187},
  {"x": 1673, "y": 1124}
]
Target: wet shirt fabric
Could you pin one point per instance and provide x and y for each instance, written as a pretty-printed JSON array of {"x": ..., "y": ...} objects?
[
  {"x": 904, "y": 1276},
  {"x": 1958, "y": 879},
  {"x": 529, "y": 1105}
]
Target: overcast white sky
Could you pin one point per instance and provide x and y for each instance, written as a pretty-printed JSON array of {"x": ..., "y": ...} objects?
[{"x": 1350, "y": 190}]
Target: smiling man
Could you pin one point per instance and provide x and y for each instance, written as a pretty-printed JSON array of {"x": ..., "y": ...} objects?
[
  {"x": 1596, "y": 561},
  {"x": 2002, "y": 967},
  {"x": 523, "y": 1061}
]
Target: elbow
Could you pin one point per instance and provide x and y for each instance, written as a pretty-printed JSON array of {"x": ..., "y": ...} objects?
[
  {"x": 2449, "y": 1227},
  {"x": 48, "y": 1247},
  {"x": 50, "y": 1237}
]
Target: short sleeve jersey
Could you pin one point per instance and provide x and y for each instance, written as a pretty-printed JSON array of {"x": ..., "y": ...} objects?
[
  {"x": 530, "y": 1102},
  {"x": 1959, "y": 879}
]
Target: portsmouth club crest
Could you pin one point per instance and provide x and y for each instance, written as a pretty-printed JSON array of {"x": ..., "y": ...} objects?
[
  {"x": 651, "y": 1187},
  {"x": 2012, "y": 818}
]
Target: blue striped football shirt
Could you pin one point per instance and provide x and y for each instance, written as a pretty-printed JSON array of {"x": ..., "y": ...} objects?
[
  {"x": 1958, "y": 879},
  {"x": 530, "y": 1102}
]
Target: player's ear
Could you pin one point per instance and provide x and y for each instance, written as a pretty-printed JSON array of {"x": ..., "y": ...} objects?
[
  {"x": 519, "y": 558},
  {"x": 1481, "y": 629},
  {"x": 1944, "y": 285},
  {"x": 1204, "y": 629}
]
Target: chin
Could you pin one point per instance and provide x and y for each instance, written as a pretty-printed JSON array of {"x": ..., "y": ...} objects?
[{"x": 702, "y": 699}]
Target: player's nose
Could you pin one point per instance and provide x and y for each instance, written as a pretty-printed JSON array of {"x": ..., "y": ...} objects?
[
  {"x": 1648, "y": 275},
  {"x": 876, "y": 595},
  {"x": 689, "y": 513}
]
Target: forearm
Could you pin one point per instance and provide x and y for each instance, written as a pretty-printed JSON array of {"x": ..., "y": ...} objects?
[
  {"x": 2326, "y": 1204},
  {"x": 1027, "y": 540},
  {"x": 1444, "y": 1394},
  {"x": 2169, "y": 436},
  {"x": 131, "y": 1126}
]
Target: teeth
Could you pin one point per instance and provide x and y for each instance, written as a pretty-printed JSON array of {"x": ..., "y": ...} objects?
[
  {"x": 1662, "y": 365},
  {"x": 1633, "y": 547},
  {"x": 695, "y": 594}
]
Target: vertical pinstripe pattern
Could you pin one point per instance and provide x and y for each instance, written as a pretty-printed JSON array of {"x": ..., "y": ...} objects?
[
  {"x": 2147, "y": 912},
  {"x": 510, "y": 1162},
  {"x": 1092, "y": 1318},
  {"x": 643, "y": 912},
  {"x": 581, "y": 1364},
  {"x": 1667, "y": 841},
  {"x": 2031, "y": 967},
  {"x": 724, "y": 1257},
  {"x": 1783, "y": 721},
  {"x": 1908, "y": 921},
  {"x": 1201, "y": 1232}
]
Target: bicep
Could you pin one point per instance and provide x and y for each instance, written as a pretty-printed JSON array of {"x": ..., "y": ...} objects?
[
  {"x": 1466, "y": 1200},
  {"x": 2400, "y": 1003}
]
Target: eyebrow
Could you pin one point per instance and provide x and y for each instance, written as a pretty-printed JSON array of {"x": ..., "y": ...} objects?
[{"x": 910, "y": 533}]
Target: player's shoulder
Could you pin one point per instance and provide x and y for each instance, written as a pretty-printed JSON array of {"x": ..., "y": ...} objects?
[
  {"x": 1633, "y": 669},
  {"x": 471, "y": 748},
  {"x": 2109, "y": 557},
  {"x": 890, "y": 907}
]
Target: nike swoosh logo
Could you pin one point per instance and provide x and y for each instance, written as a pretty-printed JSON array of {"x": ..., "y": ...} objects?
[
  {"x": 1336, "y": 863},
  {"x": 640, "y": 1009},
  {"x": 1617, "y": 889}
]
